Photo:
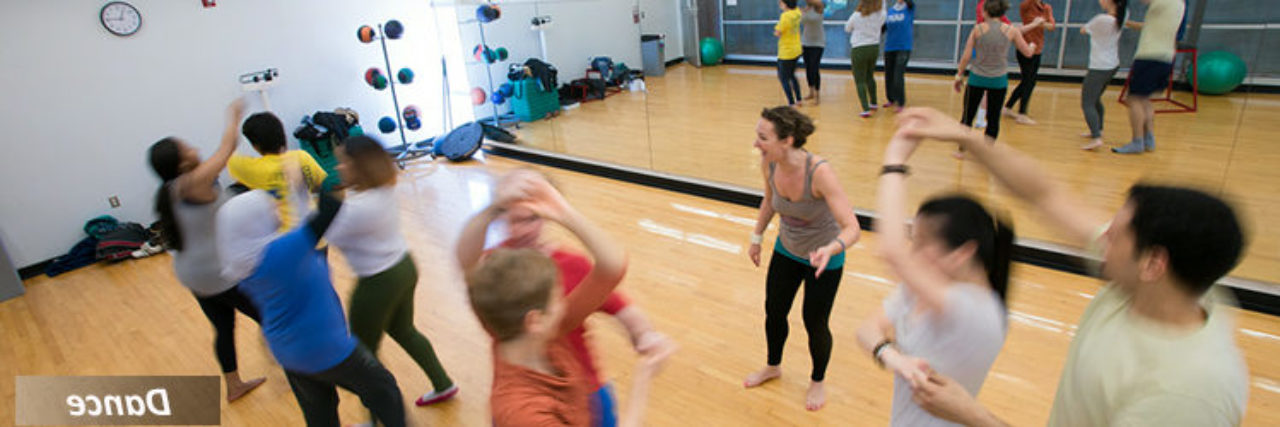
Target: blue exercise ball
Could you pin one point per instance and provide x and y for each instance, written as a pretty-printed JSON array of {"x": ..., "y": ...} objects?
[
  {"x": 1220, "y": 72},
  {"x": 387, "y": 125},
  {"x": 712, "y": 51}
]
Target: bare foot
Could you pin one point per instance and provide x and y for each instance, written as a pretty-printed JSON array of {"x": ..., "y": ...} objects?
[
  {"x": 1092, "y": 145},
  {"x": 959, "y": 155},
  {"x": 817, "y": 396},
  {"x": 1086, "y": 134},
  {"x": 1023, "y": 119},
  {"x": 1008, "y": 113},
  {"x": 762, "y": 376},
  {"x": 236, "y": 391}
]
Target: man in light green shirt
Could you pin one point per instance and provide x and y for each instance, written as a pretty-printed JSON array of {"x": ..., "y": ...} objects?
[
  {"x": 1155, "y": 346},
  {"x": 1152, "y": 66}
]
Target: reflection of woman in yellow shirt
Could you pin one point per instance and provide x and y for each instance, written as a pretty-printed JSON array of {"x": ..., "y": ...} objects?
[
  {"x": 789, "y": 49},
  {"x": 266, "y": 134}
]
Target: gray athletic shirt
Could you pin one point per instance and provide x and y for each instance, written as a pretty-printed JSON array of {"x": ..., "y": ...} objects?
[
  {"x": 197, "y": 265},
  {"x": 993, "y": 52},
  {"x": 811, "y": 33},
  {"x": 807, "y": 224},
  {"x": 961, "y": 342}
]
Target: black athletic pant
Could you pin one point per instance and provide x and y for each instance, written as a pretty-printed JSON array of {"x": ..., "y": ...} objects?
[
  {"x": 221, "y": 311},
  {"x": 813, "y": 66},
  {"x": 1030, "y": 68},
  {"x": 359, "y": 373},
  {"x": 973, "y": 99},
  {"x": 787, "y": 75},
  {"x": 785, "y": 275},
  {"x": 895, "y": 70}
]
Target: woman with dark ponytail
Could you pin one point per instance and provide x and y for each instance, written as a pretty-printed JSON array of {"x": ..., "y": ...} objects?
[
  {"x": 948, "y": 314},
  {"x": 1104, "y": 59},
  {"x": 187, "y": 202}
]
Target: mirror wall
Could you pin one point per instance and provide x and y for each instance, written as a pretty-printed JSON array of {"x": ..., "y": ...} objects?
[{"x": 699, "y": 121}]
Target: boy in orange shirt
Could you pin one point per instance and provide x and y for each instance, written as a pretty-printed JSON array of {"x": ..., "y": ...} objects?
[{"x": 515, "y": 293}]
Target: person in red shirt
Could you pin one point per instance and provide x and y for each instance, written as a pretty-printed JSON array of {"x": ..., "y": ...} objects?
[
  {"x": 1037, "y": 17},
  {"x": 575, "y": 392}
]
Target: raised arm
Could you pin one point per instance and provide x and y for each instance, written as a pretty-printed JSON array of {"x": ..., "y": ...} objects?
[
  {"x": 964, "y": 58},
  {"x": 764, "y": 217},
  {"x": 197, "y": 185},
  {"x": 1027, "y": 49},
  {"x": 470, "y": 245},
  {"x": 925, "y": 281},
  {"x": 828, "y": 188},
  {"x": 1016, "y": 171}
]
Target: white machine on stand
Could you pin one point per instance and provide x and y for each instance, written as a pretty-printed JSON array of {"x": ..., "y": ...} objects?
[{"x": 260, "y": 81}]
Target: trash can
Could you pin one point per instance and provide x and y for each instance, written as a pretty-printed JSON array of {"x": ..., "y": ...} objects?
[{"x": 653, "y": 52}]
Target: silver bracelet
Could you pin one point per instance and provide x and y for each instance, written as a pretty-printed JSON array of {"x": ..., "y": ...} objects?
[{"x": 843, "y": 247}]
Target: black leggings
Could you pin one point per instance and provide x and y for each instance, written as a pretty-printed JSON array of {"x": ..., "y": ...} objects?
[
  {"x": 973, "y": 99},
  {"x": 221, "y": 311},
  {"x": 1030, "y": 68},
  {"x": 812, "y": 66},
  {"x": 785, "y": 275},
  {"x": 359, "y": 373},
  {"x": 787, "y": 75},
  {"x": 895, "y": 70}
]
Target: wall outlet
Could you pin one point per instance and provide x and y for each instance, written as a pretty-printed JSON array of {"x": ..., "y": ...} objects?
[{"x": 114, "y": 201}]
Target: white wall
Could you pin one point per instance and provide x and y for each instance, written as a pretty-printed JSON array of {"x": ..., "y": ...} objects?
[
  {"x": 579, "y": 30},
  {"x": 663, "y": 17},
  {"x": 81, "y": 106}
]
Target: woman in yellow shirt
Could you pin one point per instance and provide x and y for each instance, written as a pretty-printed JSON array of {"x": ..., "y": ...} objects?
[{"x": 789, "y": 49}]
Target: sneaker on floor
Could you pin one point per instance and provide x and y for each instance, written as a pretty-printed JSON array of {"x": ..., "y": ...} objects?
[
  {"x": 1149, "y": 142},
  {"x": 887, "y": 105},
  {"x": 435, "y": 397},
  {"x": 1133, "y": 147},
  {"x": 865, "y": 114},
  {"x": 873, "y": 106}
]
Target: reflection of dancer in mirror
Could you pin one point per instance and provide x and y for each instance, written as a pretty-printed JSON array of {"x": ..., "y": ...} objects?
[
  {"x": 817, "y": 226},
  {"x": 948, "y": 314},
  {"x": 367, "y": 232},
  {"x": 989, "y": 77},
  {"x": 187, "y": 202},
  {"x": 1037, "y": 17},
  {"x": 1152, "y": 65},
  {"x": 1104, "y": 59},
  {"x": 814, "y": 40},
  {"x": 899, "y": 22},
  {"x": 524, "y": 231},
  {"x": 1157, "y": 333},
  {"x": 864, "y": 26},
  {"x": 789, "y": 49}
]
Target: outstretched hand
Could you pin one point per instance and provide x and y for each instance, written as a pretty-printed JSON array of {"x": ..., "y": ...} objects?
[
  {"x": 235, "y": 111},
  {"x": 530, "y": 189},
  {"x": 928, "y": 123}
]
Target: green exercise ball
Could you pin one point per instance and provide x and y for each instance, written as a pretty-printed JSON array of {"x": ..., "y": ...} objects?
[
  {"x": 712, "y": 51},
  {"x": 1220, "y": 72}
]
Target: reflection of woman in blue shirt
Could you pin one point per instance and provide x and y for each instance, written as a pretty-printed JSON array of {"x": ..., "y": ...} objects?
[{"x": 898, "y": 38}]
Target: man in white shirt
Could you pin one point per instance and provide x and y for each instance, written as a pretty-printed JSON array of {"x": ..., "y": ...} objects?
[{"x": 1153, "y": 347}]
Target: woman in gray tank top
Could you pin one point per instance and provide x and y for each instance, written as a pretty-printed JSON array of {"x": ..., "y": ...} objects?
[
  {"x": 817, "y": 225},
  {"x": 989, "y": 75},
  {"x": 947, "y": 315},
  {"x": 187, "y": 203},
  {"x": 814, "y": 40}
]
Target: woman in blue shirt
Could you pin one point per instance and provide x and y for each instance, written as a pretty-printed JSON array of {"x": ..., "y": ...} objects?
[{"x": 898, "y": 39}]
